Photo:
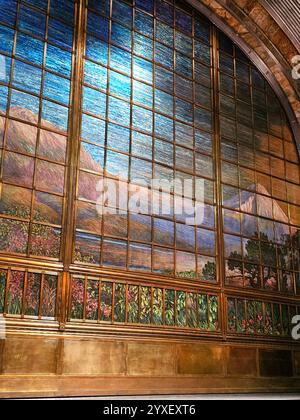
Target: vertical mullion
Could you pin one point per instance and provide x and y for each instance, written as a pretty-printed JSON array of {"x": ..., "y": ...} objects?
[
  {"x": 153, "y": 129},
  {"x": 74, "y": 133},
  {"x": 218, "y": 177},
  {"x": 72, "y": 156}
]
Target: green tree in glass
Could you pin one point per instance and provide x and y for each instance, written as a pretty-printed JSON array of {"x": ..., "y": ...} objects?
[
  {"x": 252, "y": 254},
  {"x": 209, "y": 272}
]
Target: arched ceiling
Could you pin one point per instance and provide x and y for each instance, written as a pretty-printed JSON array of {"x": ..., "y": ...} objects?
[
  {"x": 268, "y": 32},
  {"x": 287, "y": 14}
]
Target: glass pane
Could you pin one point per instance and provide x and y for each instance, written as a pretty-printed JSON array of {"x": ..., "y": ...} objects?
[
  {"x": 106, "y": 301},
  {"x": 120, "y": 302},
  {"x": 203, "y": 312},
  {"x": 157, "y": 306},
  {"x": 133, "y": 304},
  {"x": 231, "y": 315},
  {"x": 32, "y": 296},
  {"x": 92, "y": 300},
  {"x": 181, "y": 309},
  {"x": 170, "y": 307},
  {"x": 15, "y": 293},
  {"x": 145, "y": 304},
  {"x": 49, "y": 296},
  {"x": 213, "y": 313},
  {"x": 77, "y": 297}
]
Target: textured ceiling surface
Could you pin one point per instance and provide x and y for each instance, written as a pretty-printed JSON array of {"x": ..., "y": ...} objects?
[{"x": 287, "y": 15}]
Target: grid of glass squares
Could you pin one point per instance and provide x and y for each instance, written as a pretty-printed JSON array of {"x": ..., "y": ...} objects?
[
  {"x": 146, "y": 113},
  {"x": 260, "y": 180},
  {"x": 36, "y": 47}
]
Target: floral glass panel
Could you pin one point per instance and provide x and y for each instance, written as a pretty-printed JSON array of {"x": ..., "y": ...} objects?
[
  {"x": 92, "y": 300},
  {"x": 285, "y": 320},
  {"x": 32, "y": 296},
  {"x": 251, "y": 315},
  {"x": 157, "y": 306},
  {"x": 269, "y": 327},
  {"x": 241, "y": 316},
  {"x": 77, "y": 309},
  {"x": 231, "y": 315},
  {"x": 120, "y": 302},
  {"x": 15, "y": 292},
  {"x": 263, "y": 318},
  {"x": 106, "y": 301},
  {"x": 170, "y": 307},
  {"x": 277, "y": 319},
  {"x": 49, "y": 295},
  {"x": 181, "y": 309},
  {"x": 133, "y": 304},
  {"x": 192, "y": 310},
  {"x": 145, "y": 315},
  {"x": 213, "y": 313},
  {"x": 203, "y": 312},
  {"x": 259, "y": 318}
]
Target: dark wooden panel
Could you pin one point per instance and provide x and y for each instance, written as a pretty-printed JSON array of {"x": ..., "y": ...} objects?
[
  {"x": 242, "y": 362},
  {"x": 276, "y": 363},
  {"x": 194, "y": 359}
]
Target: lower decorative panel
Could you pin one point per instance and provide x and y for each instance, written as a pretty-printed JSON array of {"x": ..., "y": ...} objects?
[
  {"x": 110, "y": 302},
  {"x": 72, "y": 366}
]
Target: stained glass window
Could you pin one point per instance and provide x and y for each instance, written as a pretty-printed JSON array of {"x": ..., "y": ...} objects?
[
  {"x": 36, "y": 64},
  {"x": 154, "y": 115},
  {"x": 260, "y": 180},
  {"x": 110, "y": 302},
  {"x": 144, "y": 154}
]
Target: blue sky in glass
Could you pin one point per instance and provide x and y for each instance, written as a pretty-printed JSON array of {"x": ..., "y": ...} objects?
[{"x": 30, "y": 47}]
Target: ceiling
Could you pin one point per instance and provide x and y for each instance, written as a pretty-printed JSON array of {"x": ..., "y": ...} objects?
[{"x": 287, "y": 14}]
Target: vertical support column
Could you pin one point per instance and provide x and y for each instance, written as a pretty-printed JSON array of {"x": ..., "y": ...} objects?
[
  {"x": 218, "y": 175},
  {"x": 72, "y": 158}
]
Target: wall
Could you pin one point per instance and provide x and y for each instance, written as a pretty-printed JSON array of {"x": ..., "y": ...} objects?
[{"x": 71, "y": 366}]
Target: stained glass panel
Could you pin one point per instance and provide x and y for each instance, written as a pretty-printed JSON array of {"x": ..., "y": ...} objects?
[
  {"x": 147, "y": 84},
  {"x": 38, "y": 43},
  {"x": 15, "y": 292}
]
